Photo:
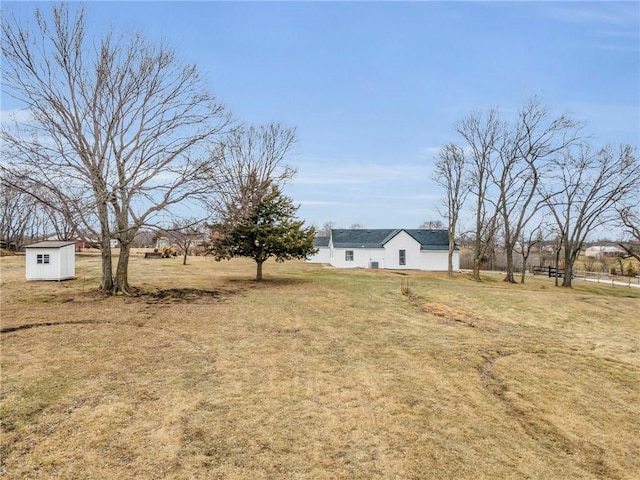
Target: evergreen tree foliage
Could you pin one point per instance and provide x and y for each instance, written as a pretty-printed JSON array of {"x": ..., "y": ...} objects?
[{"x": 270, "y": 229}]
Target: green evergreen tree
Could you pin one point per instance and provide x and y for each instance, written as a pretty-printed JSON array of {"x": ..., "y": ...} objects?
[{"x": 269, "y": 230}]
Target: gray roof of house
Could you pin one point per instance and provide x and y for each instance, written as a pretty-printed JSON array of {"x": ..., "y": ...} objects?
[
  {"x": 51, "y": 244},
  {"x": 376, "y": 238},
  {"x": 321, "y": 241},
  {"x": 431, "y": 239},
  {"x": 361, "y": 238}
]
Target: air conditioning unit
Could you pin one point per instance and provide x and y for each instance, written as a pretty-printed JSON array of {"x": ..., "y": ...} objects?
[{"x": 373, "y": 264}]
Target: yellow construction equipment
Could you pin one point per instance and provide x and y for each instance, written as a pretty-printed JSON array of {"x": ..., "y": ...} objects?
[{"x": 163, "y": 249}]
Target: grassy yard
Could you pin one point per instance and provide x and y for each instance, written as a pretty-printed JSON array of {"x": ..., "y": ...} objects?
[{"x": 316, "y": 373}]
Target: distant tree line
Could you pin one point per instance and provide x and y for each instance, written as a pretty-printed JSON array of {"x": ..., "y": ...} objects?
[{"x": 534, "y": 177}]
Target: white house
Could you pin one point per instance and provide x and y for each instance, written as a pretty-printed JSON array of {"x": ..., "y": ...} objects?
[
  {"x": 386, "y": 248},
  {"x": 51, "y": 261}
]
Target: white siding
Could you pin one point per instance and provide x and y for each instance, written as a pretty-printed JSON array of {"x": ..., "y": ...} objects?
[
  {"x": 434, "y": 260},
  {"x": 323, "y": 256},
  {"x": 362, "y": 257},
  {"x": 61, "y": 264},
  {"x": 402, "y": 241},
  {"x": 68, "y": 262}
]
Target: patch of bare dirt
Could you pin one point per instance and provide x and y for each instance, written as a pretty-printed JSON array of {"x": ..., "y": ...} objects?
[
  {"x": 447, "y": 313},
  {"x": 184, "y": 295}
]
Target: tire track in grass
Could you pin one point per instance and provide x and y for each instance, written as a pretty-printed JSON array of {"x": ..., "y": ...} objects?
[
  {"x": 197, "y": 346},
  {"x": 544, "y": 432}
]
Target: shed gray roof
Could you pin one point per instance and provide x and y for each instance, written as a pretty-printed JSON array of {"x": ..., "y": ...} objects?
[
  {"x": 321, "y": 241},
  {"x": 376, "y": 238},
  {"x": 51, "y": 244}
]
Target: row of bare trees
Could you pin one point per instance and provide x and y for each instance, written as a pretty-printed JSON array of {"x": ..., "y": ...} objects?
[
  {"x": 116, "y": 132},
  {"x": 24, "y": 219},
  {"x": 539, "y": 168}
]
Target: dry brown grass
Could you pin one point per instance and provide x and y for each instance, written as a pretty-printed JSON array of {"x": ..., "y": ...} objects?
[{"x": 316, "y": 373}]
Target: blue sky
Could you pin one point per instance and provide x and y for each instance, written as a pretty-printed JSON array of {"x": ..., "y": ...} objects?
[{"x": 375, "y": 88}]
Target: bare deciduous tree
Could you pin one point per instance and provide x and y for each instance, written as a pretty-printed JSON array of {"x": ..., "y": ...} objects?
[
  {"x": 246, "y": 165},
  {"x": 433, "y": 224},
  {"x": 325, "y": 231},
  {"x": 185, "y": 234},
  {"x": 482, "y": 134},
  {"x": 588, "y": 186},
  {"x": 531, "y": 141},
  {"x": 116, "y": 126},
  {"x": 527, "y": 240},
  {"x": 450, "y": 173},
  {"x": 17, "y": 213},
  {"x": 630, "y": 221}
]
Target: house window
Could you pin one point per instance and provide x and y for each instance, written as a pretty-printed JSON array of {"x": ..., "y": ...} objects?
[
  {"x": 348, "y": 255},
  {"x": 42, "y": 258},
  {"x": 402, "y": 257}
]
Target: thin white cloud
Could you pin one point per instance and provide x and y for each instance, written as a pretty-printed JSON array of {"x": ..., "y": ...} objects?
[
  {"x": 338, "y": 173},
  {"x": 325, "y": 180},
  {"x": 322, "y": 203},
  {"x": 430, "y": 152},
  {"x": 622, "y": 34},
  {"x": 422, "y": 197},
  {"x": 597, "y": 13}
]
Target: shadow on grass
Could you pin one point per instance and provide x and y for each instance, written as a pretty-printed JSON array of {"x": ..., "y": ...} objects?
[
  {"x": 183, "y": 295},
  {"x": 268, "y": 281},
  {"x": 28, "y": 326}
]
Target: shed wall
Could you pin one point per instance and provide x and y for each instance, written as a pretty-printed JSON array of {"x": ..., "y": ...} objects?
[
  {"x": 67, "y": 262},
  {"x": 61, "y": 264}
]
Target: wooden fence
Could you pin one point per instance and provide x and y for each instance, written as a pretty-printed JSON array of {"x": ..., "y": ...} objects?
[{"x": 550, "y": 271}]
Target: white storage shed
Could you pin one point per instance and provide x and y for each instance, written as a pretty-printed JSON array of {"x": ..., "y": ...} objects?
[{"x": 51, "y": 261}]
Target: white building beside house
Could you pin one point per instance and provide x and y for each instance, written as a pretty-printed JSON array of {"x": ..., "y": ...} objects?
[
  {"x": 323, "y": 255},
  {"x": 601, "y": 251},
  {"x": 51, "y": 261},
  {"x": 386, "y": 248}
]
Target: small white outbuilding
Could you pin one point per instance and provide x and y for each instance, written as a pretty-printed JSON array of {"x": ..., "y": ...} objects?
[{"x": 51, "y": 261}]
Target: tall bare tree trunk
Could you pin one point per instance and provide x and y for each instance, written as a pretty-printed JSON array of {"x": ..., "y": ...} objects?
[
  {"x": 509, "y": 277},
  {"x": 557, "y": 265},
  {"x": 106, "y": 284},
  {"x": 569, "y": 258},
  {"x": 450, "y": 173},
  {"x": 475, "y": 275},
  {"x": 452, "y": 245},
  {"x": 122, "y": 281}
]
